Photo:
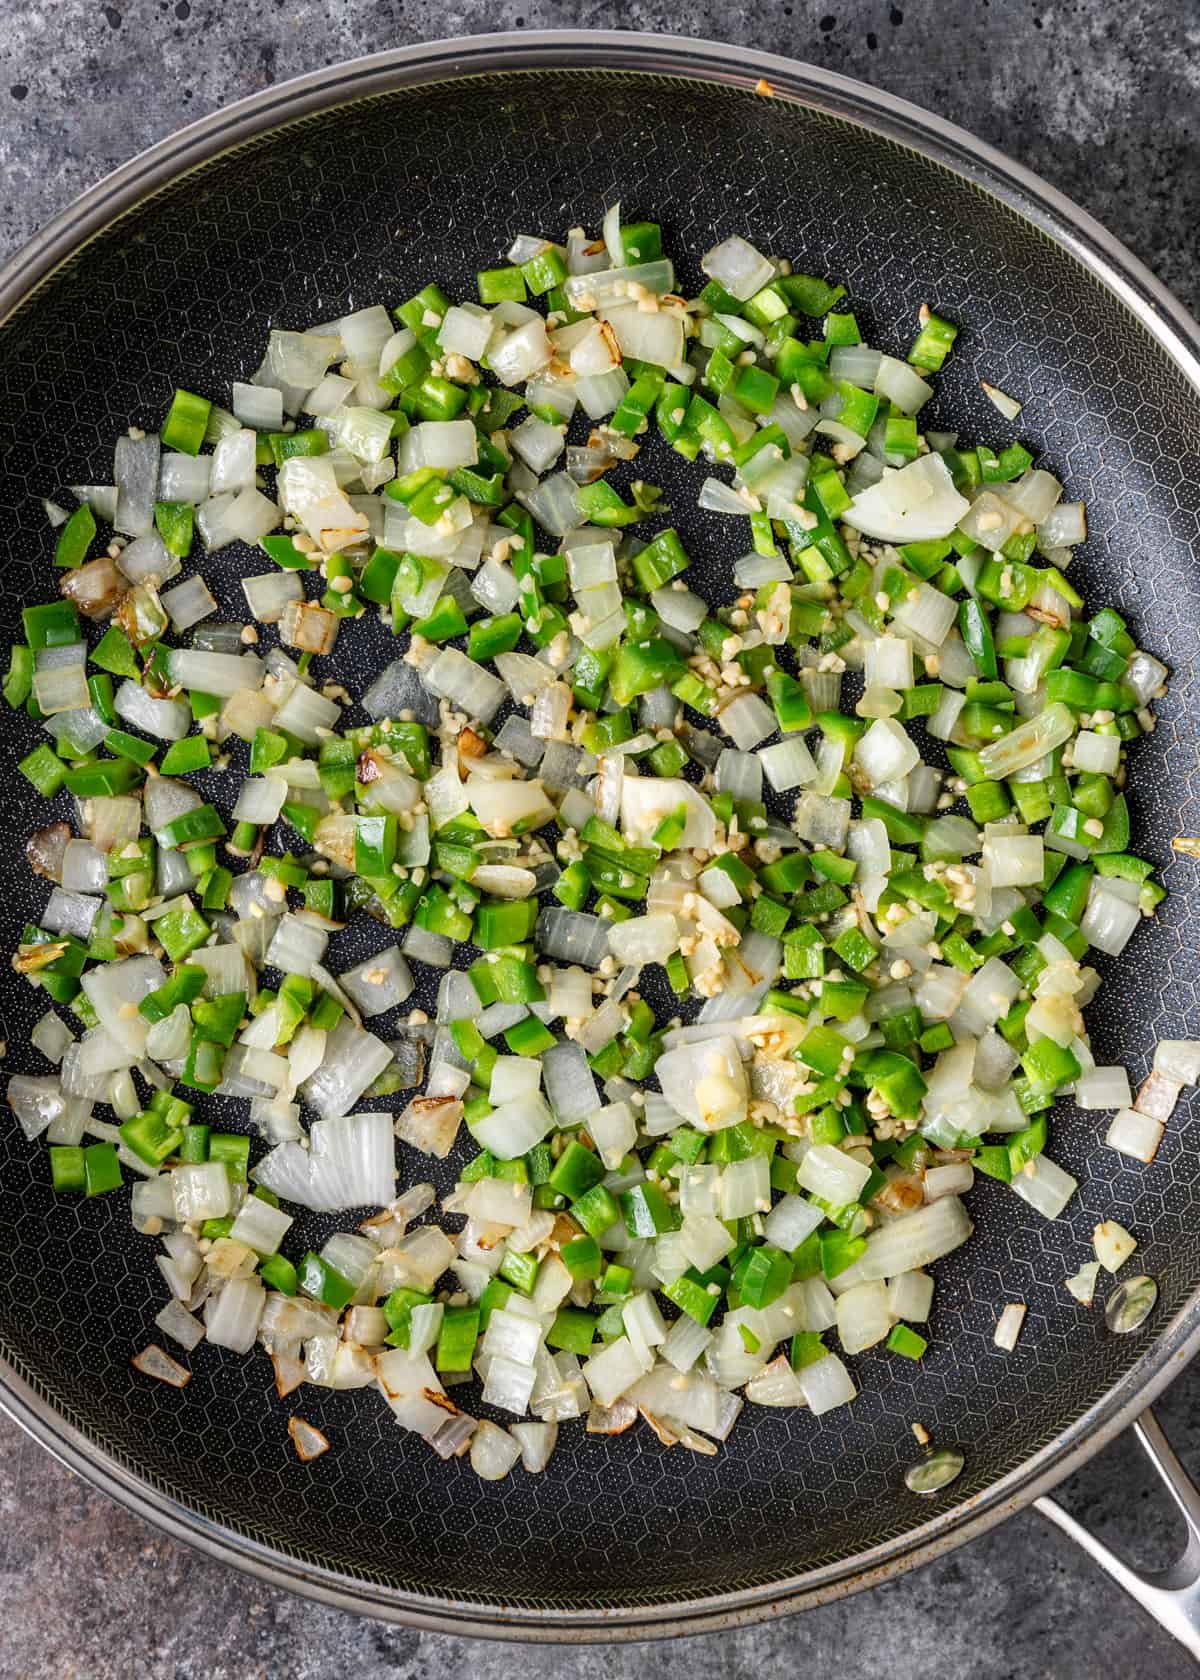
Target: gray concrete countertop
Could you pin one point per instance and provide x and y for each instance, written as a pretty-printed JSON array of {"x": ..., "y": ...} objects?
[{"x": 1099, "y": 98}]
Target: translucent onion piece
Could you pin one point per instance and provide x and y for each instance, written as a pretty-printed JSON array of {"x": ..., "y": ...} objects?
[
  {"x": 353, "y": 1059},
  {"x": 135, "y": 472},
  {"x": 379, "y": 983},
  {"x": 917, "y": 503},
  {"x": 738, "y": 267},
  {"x": 153, "y": 1362},
  {"x": 1029, "y": 741},
  {"x": 1133, "y": 1134}
]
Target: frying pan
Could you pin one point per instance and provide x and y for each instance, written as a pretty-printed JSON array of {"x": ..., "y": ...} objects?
[{"x": 359, "y": 184}]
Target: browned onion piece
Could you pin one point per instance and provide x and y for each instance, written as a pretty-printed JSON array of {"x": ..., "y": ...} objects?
[
  {"x": 153, "y": 1362},
  {"x": 612, "y": 1420},
  {"x": 307, "y": 1440},
  {"x": 453, "y": 1439},
  {"x": 44, "y": 850},
  {"x": 289, "y": 1373},
  {"x": 95, "y": 588}
]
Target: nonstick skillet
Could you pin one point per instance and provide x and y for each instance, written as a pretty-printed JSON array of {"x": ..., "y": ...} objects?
[{"x": 342, "y": 189}]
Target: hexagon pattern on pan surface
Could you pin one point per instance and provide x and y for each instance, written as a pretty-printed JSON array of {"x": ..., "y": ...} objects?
[{"x": 346, "y": 210}]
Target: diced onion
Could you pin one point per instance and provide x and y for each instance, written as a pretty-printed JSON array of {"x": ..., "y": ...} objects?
[
  {"x": 1113, "y": 1244},
  {"x": 1008, "y": 1326},
  {"x": 1134, "y": 1134}
]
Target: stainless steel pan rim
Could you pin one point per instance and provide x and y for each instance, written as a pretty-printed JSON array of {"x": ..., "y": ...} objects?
[{"x": 1108, "y": 262}]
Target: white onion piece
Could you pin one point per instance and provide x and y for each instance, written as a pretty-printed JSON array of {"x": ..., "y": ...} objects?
[
  {"x": 1103, "y": 1087},
  {"x": 260, "y": 1226},
  {"x": 70, "y": 912},
  {"x": 825, "y": 1384},
  {"x": 571, "y": 936},
  {"x": 102, "y": 498},
  {"x": 182, "y": 1326},
  {"x": 77, "y": 731},
  {"x": 644, "y": 939},
  {"x": 465, "y": 684},
  {"x": 1015, "y": 861},
  {"x": 168, "y": 1040},
  {"x": 1008, "y": 1326},
  {"x": 537, "y": 443},
  {"x": 258, "y": 406},
  {"x": 610, "y": 231},
  {"x": 298, "y": 359},
  {"x": 856, "y": 363},
  {"x": 269, "y": 593},
  {"x": 1178, "y": 1059},
  {"x": 379, "y": 983},
  {"x": 1048, "y": 1188},
  {"x": 297, "y": 945},
  {"x": 955, "y": 1179},
  {"x": 1109, "y": 920},
  {"x": 1007, "y": 405},
  {"x": 737, "y": 266},
  {"x": 745, "y": 1188},
  {"x": 147, "y": 560},
  {"x": 600, "y": 394},
  {"x": 747, "y": 721},
  {"x": 570, "y": 1084},
  {"x": 60, "y": 686},
  {"x": 863, "y": 1316},
  {"x": 917, "y": 503},
  {"x": 912, "y": 1242},
  {"x": 188, "y": 603},
  {"x": 233, "y": 463},
  {"x": 706, "y": 1082},
  {"x": 901, "y": 385},
  {"x": 615, "y": 1369},
  {"x": 1065, "y": 526},
  {"x": 153, "y": 1362},
  {"x": 446, "y": 444},
  {"x": 554, "y": 503},
  {"x": 1113, "y": 1244},
  {"x": 305, "y": 714},
  {"x": 351, "y": 1164},
  {"x": 910, "y": 1296},
  {"x": 222, "y": 674},
  {"x": 114, "y": 985},
  {"x": 832, "y": 1174},
  {"x": 466, "y": 330},
  {"x": 184, "y": 477},
  {"x": 36, "y": 1102},
  {"x": 618, "y": 285},
  {"x": 648, "y": 336},
  {"x": 515, "y": 1128},
  {"x": 885, "y": 752},
  {"x": 135, "y": 471},
  {"x": 521, "y": 353},
  {"x": 493, "y": 1451},
  {"x": 353, "y": 1059},
  {"x": 945, "y": 719},
  {"x": 232, "y": 1317},
  {"x": 1134, "y": 1134},
  {"x": 165, "y": 799},
  {"x": 169, "y": 720},
  {"x": 590, "y": 351},
  {"x": 536, "y": 1441},
  {"x": 52, "y": 1037},
  {"x": 1029, "y": 741}
]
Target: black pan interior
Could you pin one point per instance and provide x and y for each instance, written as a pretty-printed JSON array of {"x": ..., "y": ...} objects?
[{"x": 364, "y": 204}]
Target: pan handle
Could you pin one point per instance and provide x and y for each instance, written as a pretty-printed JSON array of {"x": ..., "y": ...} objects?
[{"x": 1172, "y": 1596}]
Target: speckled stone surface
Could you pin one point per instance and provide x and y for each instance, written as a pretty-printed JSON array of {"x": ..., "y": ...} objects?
[{"x": 1101, "y": 101}]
